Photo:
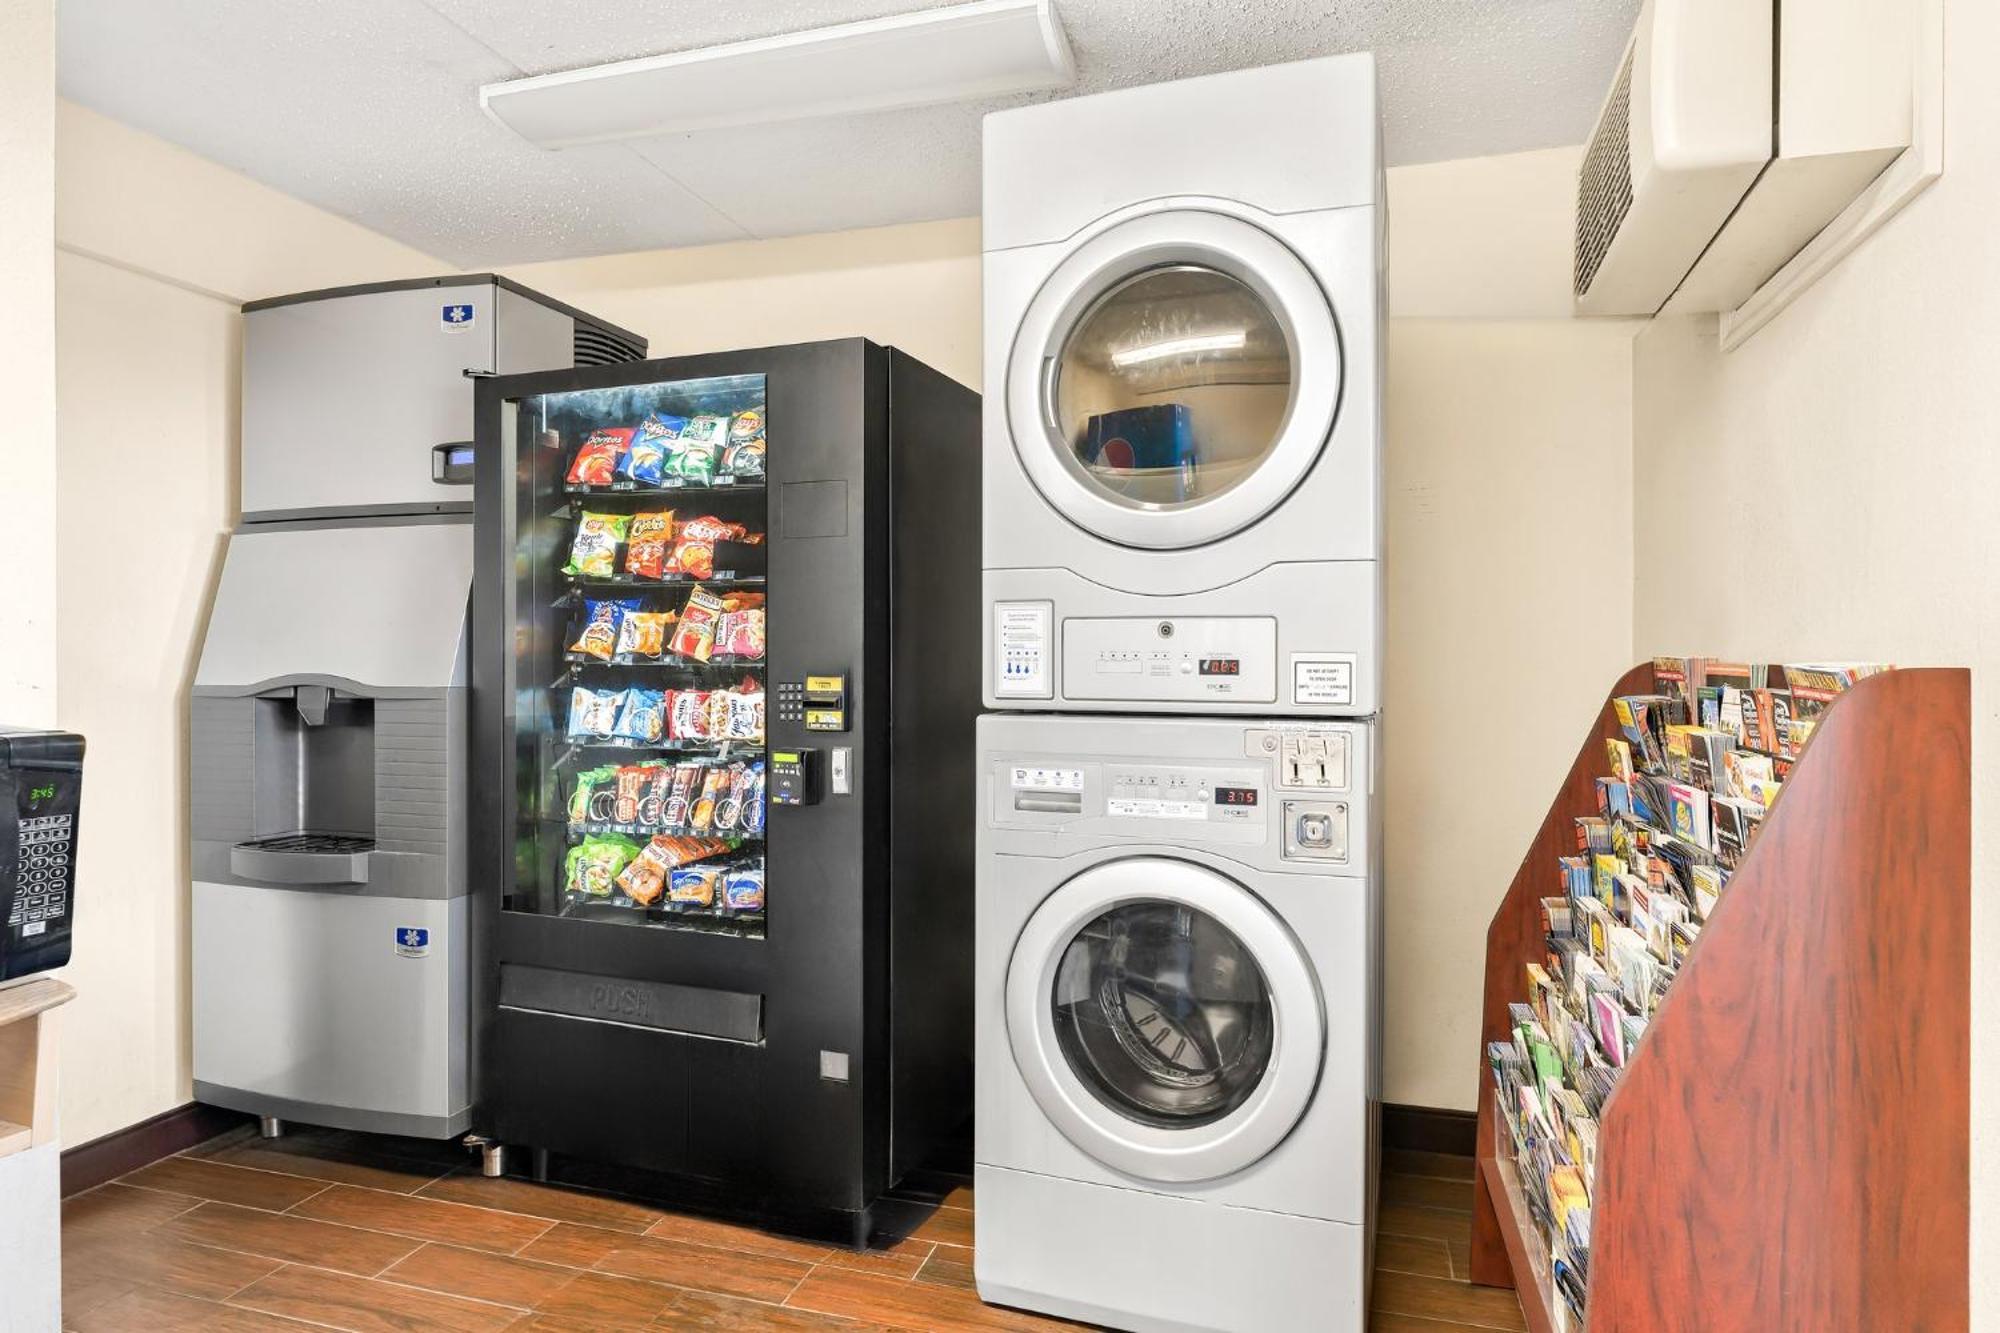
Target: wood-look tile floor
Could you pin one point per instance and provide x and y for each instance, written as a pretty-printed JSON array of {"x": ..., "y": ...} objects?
[{"x": 323, "y": 1230}]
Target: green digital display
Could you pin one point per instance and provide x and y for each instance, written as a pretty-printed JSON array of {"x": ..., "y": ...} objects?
[{"x": 46, "y": 792}]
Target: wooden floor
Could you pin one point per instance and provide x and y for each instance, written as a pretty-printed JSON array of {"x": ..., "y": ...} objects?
[{"x": 330, "y": 1230}]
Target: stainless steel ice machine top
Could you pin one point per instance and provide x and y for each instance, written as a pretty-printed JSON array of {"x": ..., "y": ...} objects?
[
  {"x": 350, "y": 395},
  {"x": 328, "y": 783}
]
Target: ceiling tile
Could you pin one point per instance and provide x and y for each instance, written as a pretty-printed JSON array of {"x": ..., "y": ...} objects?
[{"x": 369, "y": 108}]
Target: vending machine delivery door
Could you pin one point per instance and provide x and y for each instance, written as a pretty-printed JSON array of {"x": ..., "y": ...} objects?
[{"x": 328, "y": 827}]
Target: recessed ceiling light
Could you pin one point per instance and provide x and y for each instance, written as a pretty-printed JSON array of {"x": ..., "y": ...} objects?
[
  {"x": 1160, "y": 351},
  {"x": 987, "y": 49}
]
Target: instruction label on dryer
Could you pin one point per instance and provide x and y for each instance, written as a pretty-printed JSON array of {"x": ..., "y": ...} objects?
[
  {"x": 1021, "y": 649},
  {"x": 1323, "y": 680}
]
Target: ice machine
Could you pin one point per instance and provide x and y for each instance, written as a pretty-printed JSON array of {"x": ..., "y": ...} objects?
[{"x": 327, "y": 728}]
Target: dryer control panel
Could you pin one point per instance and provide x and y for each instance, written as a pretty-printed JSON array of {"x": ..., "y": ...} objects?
[{"x": 1189, "y": 659}]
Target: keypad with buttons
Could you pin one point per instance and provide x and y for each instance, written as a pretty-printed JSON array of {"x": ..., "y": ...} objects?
[
  {"x": 42, "y": 878},
  {"x": 790, "y": 700}
]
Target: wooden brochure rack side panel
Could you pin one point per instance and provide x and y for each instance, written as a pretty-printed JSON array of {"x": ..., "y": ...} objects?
[
  {"x": 1788, "y": 1149},
  {"x": 28, "y": 1063}
]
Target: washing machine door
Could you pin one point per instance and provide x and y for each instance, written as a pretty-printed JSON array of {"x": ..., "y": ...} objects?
[
  {"x": 1164, "y": 1019},
  {"x": 1174, "y": 379}
]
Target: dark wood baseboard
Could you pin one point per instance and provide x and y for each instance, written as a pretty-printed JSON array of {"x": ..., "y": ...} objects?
[
  {"x": 91, "y": 1164},
  {"x": 1429, "y": 1129}
]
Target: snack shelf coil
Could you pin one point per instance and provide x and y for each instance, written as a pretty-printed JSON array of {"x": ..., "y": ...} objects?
[
  {"x": 581, "y": 662},
  {"x": 596, "y": 828}
]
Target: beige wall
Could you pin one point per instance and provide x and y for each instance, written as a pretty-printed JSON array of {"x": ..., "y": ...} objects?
[
  {"x": 914, "y": 287},
  {"x": 156, "y": 248},
  {"x": 1832, "y": 489},
  {"x": 27, "y": 361},
  {"x": 1509, "y": 571}
]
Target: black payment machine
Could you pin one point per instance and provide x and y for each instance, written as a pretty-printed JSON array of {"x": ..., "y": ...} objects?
[{"x": 41, "y": 781}]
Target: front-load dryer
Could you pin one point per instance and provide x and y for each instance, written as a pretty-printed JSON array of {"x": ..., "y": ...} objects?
[
  {"x": 1178, "y": 966},
  {"x": 1183, "y": 362}
]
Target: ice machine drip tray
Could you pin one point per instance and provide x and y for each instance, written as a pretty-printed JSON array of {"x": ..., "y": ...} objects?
[{"x": 303, "y": 858}]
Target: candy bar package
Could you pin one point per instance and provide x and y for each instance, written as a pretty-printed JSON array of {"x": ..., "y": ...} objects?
[
  {"x": 645, "y": 462},
  {"x": 743, "y": 889},
  {"x": 593, "y": 714},
  {"x": 594, "y": 865},
  {"x": 729, "y": 810},
  {"x": 647, "y": 542},
  {"x": 629, "y": 785},
  {"x": 680, "y": 802},
  {"x": 652, "y": 811},
  {"x": 702, "y": 818},
  {"x": 753, "y": 802},
  {"x": 601, "y": 622},
  {"x": 643, "y": 716},
  {"x": 597, "y": 458},
  {"x": 743, "y": 459},
  {"x": 694, "y": 636},
  {"x": 643, "y": 633},
  {"x": 593, "y": 553},
  {"x": 694, "y": 545},
  {"x": 646, "y": 876}
]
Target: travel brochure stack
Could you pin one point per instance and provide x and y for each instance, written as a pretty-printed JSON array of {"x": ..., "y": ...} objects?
[{"x": 1688, "y": 782}]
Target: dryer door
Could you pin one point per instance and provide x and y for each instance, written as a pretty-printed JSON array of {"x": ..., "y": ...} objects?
[
  {"x": 1174, "y": 379},
  {"x": 1165, "y": 1020}
]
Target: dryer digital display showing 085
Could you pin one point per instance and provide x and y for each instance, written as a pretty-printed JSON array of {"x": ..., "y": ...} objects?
[{"x": 1221, "y": 666}]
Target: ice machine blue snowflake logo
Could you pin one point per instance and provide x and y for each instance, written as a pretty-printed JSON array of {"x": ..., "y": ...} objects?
[{"x": 457, "y": 317}]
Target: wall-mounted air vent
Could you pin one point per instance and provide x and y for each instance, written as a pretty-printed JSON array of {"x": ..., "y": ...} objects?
[
  {"x": 1734, "y": 133},
  {"x": 1604, "y": 189}
]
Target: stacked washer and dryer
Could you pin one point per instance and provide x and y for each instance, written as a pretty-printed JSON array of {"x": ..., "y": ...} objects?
[{"x": 1179, "y": 893}]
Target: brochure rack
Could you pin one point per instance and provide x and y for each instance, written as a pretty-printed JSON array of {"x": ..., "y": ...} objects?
[{"x": 1788, "y": 1147}]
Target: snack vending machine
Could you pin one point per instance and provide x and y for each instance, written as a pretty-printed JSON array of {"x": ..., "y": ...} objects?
[{"x": 724, "y": 689}]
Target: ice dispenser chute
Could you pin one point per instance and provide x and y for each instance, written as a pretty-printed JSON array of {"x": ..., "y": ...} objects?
[{"x": 327, "y": 798}]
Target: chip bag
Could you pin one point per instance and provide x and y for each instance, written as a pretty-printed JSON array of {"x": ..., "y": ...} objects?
[
  {"x": 743, "y": 458},
  {"x": 593, "y": 553},
  {"x": 694, "y": 545},
  {"x": 741, "y": 633},
  {"x": 643, "y": 716},
  {"x": 647, "y": 541},
  {"x": 597, "y": 458},
  {"x": 601, "y": 624},
  {"x": 694, "y": 636},
  {"x": 593, "y": 713},
  {"x": 698, "y": 450},
  {"x": 594, "y": 865},
  {"x": 645, "y": 462},
  {"x": 643, "y": 633}
]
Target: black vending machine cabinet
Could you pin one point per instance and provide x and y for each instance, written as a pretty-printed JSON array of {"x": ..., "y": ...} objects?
[
  {"x": 724, "y": 682},
  {"x": 41, "y": 790}
]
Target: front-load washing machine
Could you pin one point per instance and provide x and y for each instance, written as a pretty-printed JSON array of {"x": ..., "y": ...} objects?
[
  {"x": 1178, "y": 966},
  {"x": 1184, "y": 304}
]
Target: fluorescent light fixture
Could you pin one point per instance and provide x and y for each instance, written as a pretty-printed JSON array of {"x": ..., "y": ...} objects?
[
  {"x": 1160, "y": 351},
  {"x": 987, "y": 49}
]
